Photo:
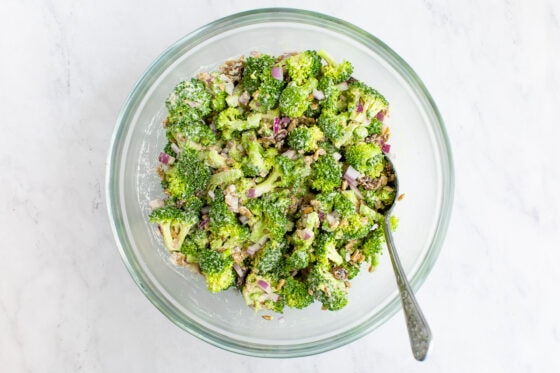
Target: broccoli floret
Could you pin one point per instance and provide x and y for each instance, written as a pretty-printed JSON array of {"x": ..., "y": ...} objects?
[
  {"x": 358, "y": 225},
  {"x": 174, "y": 225},
  {"x": 212, "y": 158},
  {"x": 327, "y": 289},
  {"x": 191, "y": 251},
  {"x": 332, "y": 124},
  {"x": 298, "y": 259},
  {"x": 186, "y": 176},
  {"x": 190, "y": 133},
  {"x": 345, "y": 204},
  {"x": 257, "y": 163},
  {"x": 338, "y": 72},
  {"x": 258, "y": 81},
  {"x": 305, "y": 138},
  {"x": 217, "y": 267},
  {"x": 286, "y": 173},
  {"x": 325, "y": 250},
  {"x": 364, "y": 102},
  {"x": 225, "y": 178},
  {"x": 303, "y": 66},
  {"x": 296, "y": 293},
  {"x": 217, "y": 83},
  {"x": 253, "y": 71},
  {"x": 223, "y": 224},
  {"x": 268, "y": 258},
  {"x": 374, "y": 127},
  {"x": 231, "y": 120},
  {"x": 335, "y": 100},
  {"x": 302, "y": 240},
  {"x": 295, "y": 99},
  {"x": 271, "y": 218},
  {"x": 190, "y": 100},
  {"x": 381, "y": 198},
  {"x": 366, "y": 158},
  {"x": 326, "y": 174},
  {"x": 258, "y": 291},
  {"x": 372, "y": 246},
  {"x": 393, "y": 223}
]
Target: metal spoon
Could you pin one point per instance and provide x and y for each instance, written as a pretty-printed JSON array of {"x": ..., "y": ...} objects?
[{"x": 418, "y": 329}]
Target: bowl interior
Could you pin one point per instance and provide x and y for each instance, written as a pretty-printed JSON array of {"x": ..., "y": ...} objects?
[{"x": 224, "y": 319}]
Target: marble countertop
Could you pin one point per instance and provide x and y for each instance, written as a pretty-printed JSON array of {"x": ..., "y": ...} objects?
[{"x": 67, "y": 302}]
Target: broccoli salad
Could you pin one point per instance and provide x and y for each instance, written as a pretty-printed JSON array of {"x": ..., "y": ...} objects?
[{"x": 275, "y": 178}]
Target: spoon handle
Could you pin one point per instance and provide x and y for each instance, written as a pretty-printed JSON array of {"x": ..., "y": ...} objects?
[{"x": 418, "y": 329}]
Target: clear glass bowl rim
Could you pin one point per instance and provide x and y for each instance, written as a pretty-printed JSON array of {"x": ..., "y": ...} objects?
[{"x": 113, "y": 169}]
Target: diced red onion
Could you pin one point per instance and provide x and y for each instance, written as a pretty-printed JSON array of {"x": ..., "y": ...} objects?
[
  {"x": 360, "y": 107},
  {"x": 337, "y": 156},
  {"x": 305, "y": 234},
  {"x": 321, "y": 216},
  {"x": 252, "y": 250},
  {"x": 351, "y": 175},
  {"x": 233, "y": 203},
  {"x": 264, "y": 285},
  {"x": 356, "y": 191},
  {"x": 342, "y": 86},
  {"x": 163, "y": 158},
  {"x": 332, "y": 218},
  {"x": 274, "y": 297},
  {"x": 284, "y": 120},
  {"x": 175, "y": 148},
  {"x": 203, "y": 223},
  {"x": 289, "y": 153},
  {"x": 156, "y": 204},
  {"x": 381, "y": 115},
  {"x": 251, "y": 193},
  {"x": 386, "y": 148},
  {"x": 244, "y": 98},
  {"x": 240, "y": 271},
  {"x": 277, "y": 73},
  {"x": 319, "y": 95},
  {"x": 229, "y": 88},
  {"x": 276, "y": 125}
]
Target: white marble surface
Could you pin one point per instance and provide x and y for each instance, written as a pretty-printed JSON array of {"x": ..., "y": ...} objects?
[{"x": 68, "y": 304}]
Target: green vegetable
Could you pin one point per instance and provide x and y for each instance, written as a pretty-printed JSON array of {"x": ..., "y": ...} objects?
[{"x": 253, "y": 173}]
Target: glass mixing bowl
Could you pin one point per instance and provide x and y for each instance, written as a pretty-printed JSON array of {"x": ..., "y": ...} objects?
[{"x": 421, "y": 154}]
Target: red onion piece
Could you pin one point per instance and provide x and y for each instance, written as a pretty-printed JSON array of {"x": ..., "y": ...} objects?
[
  {"x": 321, "y": 216},
  {"x": 305, "y": 234},
  {"x": 274, "y": 297},
  {"x": 229, "y": 88},
  {"x": 203, "y": 223},
  {"x": 319, "y": 95},
  {"x": 276, "y": 125},
  {"x": 360, "y": 107},
  {"x": 332, "y": 218},
  {"x": 386, "y": 148},
  {"x": 264, "y": 285},
  {"x": 284, "y": 120},
  {"x": 244, "y": 98},
  {"x": 175, "y": 148},
  {"x": 251, "y": 193},
  {"x": 163, "y": 158},
  {"x": 381, "y": 115},
  {"x": 240, "y": 271},
  {"x": 351, "y": 175},
  {"x": 156, "y": 204},
  {"x": 342, "y": 86},
  {"x": 277, "y": 73},
  {"x": 356, "y": 191}
]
